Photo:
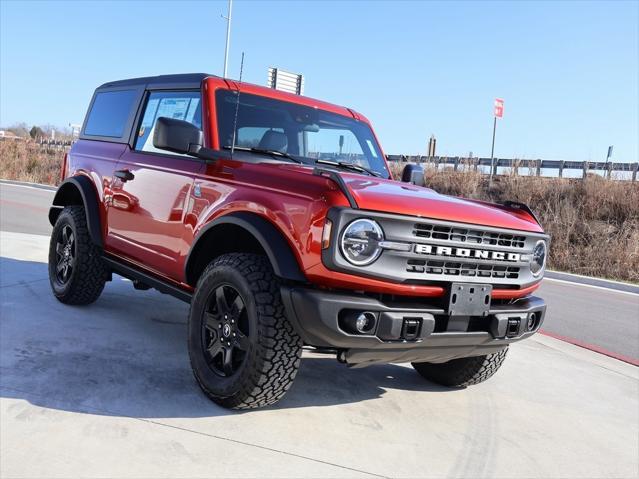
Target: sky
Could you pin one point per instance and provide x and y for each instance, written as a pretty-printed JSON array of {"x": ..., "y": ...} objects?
[{"x": 567, "y": 71}]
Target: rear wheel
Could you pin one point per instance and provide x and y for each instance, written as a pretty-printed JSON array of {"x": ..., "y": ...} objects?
[
  {"x": 244, "y": 352},
  {"x": 76, "y": 271},
  {"x": 463, "y": 371}
]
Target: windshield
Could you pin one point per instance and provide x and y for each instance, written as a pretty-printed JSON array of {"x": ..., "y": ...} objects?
[{"x": 305, "y": 133}]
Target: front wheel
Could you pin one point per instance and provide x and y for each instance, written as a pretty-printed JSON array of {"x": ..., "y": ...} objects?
[
  {"x": 244, "y": 352},
  {"x": 464, "y": 371}
]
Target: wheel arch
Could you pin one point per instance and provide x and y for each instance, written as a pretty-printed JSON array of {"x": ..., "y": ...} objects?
[
  {"x": 241, "y": 232},
  {"x": 79, "y": 190}
]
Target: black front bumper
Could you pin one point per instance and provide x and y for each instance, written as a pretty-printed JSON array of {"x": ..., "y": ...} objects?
[{"x": 318, "y": 318}]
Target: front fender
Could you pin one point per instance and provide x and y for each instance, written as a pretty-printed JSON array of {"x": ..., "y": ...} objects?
[{"x": 265, "y": 233}]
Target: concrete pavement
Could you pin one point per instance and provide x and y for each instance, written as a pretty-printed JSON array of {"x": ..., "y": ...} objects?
[{"x": 106, "y": 391}]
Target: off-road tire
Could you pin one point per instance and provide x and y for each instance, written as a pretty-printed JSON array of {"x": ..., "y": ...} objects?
[
  {"x": 464, "y": 371},
  {"x": 89, "y": 273},
  {"x": 273, "y": 357}
]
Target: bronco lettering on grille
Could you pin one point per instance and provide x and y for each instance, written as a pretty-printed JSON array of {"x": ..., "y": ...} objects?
[{"x": 466, "y": 253}]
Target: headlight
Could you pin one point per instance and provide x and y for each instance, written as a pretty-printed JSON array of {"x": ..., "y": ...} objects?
[
  {"x": 538, "y": 261},
  {"x": 360, "y": 242}
]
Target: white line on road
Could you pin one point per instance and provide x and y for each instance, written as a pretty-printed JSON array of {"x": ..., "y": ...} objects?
[
  {"x": 592, "y": 278},
  {"x": 573, "y": 283},
  {"x": 32, "y": 186}
]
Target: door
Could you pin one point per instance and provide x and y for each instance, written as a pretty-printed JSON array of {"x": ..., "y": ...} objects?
[{"x": 152, "y": 190}]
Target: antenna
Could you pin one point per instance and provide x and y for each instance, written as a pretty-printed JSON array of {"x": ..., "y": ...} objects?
[{"x": 237, "y": 106}]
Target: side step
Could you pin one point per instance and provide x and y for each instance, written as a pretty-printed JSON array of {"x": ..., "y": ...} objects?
[{"x": 145, "y": 278}]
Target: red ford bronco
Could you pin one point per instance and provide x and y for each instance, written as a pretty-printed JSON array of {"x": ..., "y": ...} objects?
[{"x": 275, "y": 216}]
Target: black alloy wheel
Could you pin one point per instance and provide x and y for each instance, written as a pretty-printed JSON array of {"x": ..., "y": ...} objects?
[
  {"x": 225, "y": 330},
  {"x": 66, "y": 251}
]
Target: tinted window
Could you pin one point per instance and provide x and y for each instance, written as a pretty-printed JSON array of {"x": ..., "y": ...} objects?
[
  {"x": 184, "y": 105},
  {"x": 109, "y": 113}
]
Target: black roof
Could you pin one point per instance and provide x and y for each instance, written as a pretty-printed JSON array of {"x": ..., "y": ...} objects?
[{"x": 181, "y": 80}]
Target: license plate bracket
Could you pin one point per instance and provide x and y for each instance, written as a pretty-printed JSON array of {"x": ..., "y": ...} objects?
[{"x": 467, "y": 299}]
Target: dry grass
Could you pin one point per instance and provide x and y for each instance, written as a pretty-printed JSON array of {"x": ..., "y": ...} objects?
[
  {"x": 594, "y": 224},
  {"x": 26, "y": 161}
]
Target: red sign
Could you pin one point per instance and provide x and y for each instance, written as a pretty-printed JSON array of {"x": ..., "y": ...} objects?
[{"x": 499, "y": 108}]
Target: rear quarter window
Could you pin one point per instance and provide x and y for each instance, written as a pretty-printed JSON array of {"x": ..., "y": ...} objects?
[{"x": 110, "y": 113}]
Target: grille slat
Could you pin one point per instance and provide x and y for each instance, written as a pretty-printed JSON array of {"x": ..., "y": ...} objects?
[
  {"x": 468, "y": 235},
  {"x": 455, "y": 268}
]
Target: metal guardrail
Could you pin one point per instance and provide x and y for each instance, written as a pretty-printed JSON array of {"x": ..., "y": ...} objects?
[{"x": 515, "y": 165}]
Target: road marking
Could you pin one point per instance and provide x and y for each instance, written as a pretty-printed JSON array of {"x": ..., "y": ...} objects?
[
  {"x": 32, "y": 186},
  {"x": 611, "y": 290},
  {"x": 591, "y": 278},
  {"x": 591, "y": 347}
]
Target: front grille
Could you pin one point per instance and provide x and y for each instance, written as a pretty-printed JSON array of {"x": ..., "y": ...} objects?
[
  {"x": 470, "y": 270},
  {"x": 467, "y": 235}
]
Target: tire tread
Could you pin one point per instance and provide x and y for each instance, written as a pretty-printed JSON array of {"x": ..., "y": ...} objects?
[{"x": 464, "y": 371}]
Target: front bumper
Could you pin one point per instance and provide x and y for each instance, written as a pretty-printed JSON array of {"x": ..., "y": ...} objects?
[{"x": 318, "y": 316}]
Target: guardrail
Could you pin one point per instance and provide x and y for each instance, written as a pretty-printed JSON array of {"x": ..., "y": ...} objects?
[{"x": 514, "y": 165}]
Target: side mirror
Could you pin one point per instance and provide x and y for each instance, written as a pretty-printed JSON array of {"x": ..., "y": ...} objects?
[
  {"x": 178, "y": 136},
  {"x": 413, "y": 174}
]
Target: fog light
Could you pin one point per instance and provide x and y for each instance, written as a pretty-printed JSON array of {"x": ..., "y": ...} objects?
[
  {"x": 364, "y": 322},
  {"x": 532, "y": 321},
  {"x": 359, "y": 322}
]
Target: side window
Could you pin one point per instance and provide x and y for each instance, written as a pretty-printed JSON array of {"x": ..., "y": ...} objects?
[
  {"x": 185, "y": 105},
  {"x": 109, "y": 113}
]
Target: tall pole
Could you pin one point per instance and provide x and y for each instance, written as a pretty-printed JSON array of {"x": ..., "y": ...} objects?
[
  {"x": 228, "y": 37},
  {"x": 492, "y": 151}
]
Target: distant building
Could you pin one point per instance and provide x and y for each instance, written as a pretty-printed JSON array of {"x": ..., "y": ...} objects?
[{"x": 7, "y": 135}]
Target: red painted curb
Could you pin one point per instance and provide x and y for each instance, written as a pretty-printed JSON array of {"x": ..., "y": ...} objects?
[{"x": 592, "y": 347}]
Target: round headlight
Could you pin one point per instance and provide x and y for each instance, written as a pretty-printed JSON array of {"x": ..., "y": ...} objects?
[
  {"x": 360, "y": 242},
  {"x": 538, "y": 261}
]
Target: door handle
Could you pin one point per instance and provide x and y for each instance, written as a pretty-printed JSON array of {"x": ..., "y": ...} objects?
[{"x": 124, "y": 175}]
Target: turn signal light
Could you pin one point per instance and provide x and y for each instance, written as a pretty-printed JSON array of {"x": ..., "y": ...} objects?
[{"x": 326, "y": 234}]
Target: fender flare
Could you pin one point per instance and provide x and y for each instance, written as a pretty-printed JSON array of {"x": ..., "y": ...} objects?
[
  {"x": 68, "y": 192},
  {"x": 271, "y": 240}
]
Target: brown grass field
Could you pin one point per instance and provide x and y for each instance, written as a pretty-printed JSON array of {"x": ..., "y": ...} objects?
[
  {"x": 594, "y": 223},
  {"x": 26, "y": 161}
]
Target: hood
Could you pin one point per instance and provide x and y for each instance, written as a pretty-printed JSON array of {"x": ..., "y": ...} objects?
[{"x": 406, "y": 199}]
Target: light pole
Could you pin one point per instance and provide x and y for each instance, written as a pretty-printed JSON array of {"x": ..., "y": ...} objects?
[{"x": 228, "y": 36}]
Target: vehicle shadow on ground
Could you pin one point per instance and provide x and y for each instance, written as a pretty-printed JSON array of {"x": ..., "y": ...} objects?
[{"x": 126, "y": 355}]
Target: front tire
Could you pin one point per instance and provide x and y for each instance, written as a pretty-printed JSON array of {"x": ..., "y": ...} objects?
[
  {"x": 243, "y": 350},
  {"x": 464, "y": 371},
  {"x": 77, "y": 273}
]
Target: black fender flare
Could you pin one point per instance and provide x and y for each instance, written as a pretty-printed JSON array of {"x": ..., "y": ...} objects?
[
  {"x": 269, "y": 237},
  {"x": 69, "y": 191}
]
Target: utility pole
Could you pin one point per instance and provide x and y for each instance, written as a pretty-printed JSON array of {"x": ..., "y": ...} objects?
[{"x": 228, "y": 37}]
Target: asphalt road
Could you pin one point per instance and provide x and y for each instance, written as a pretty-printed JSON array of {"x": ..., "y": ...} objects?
[
  {"x": 600, "y": 318},
  {"x": 106, "y": 391}
]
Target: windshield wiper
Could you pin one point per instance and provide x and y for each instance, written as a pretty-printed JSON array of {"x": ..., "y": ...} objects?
[
  {"x": 349, "y": 166},
  {"x": 265, "y": 151}
]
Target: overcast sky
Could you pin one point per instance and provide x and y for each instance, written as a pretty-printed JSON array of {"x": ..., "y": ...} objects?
[{"x": 568, "y": 71}]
